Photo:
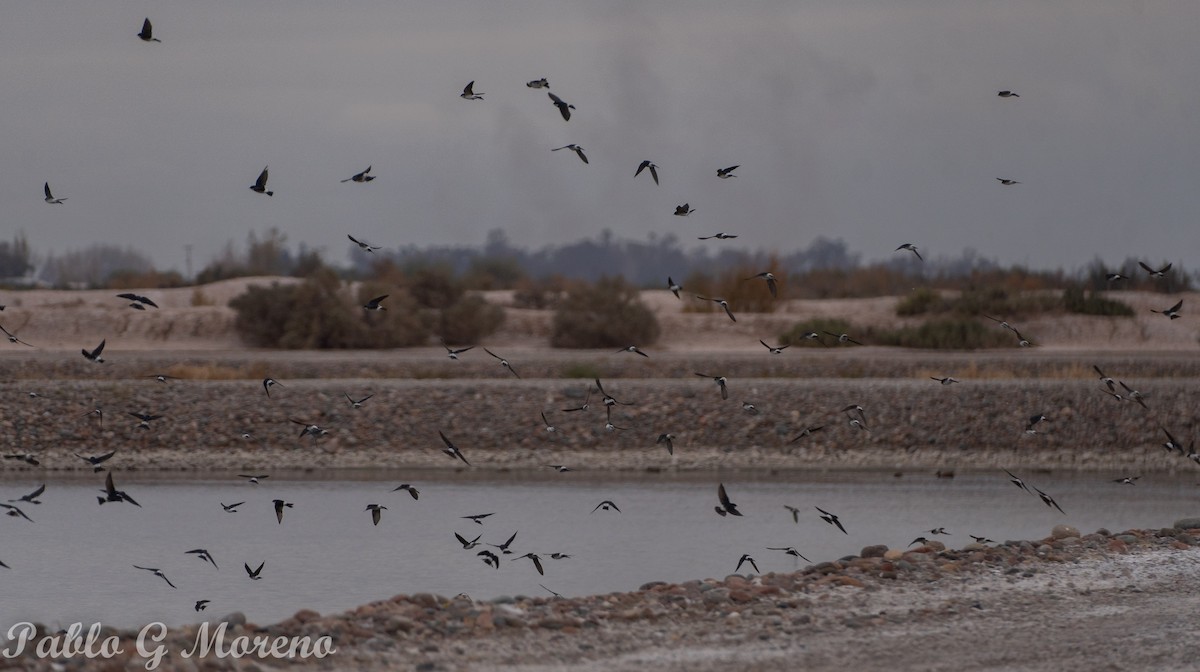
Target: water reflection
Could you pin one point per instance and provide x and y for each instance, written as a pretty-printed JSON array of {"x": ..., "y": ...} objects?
[{"x": 76, "y": 562}]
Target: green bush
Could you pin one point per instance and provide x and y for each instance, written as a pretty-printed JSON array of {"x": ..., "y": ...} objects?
[
  {"x": 945, "y": 334},
  {"x": 607, "y": 314},
  {"x": 318, "y": 313},
  {"x": 1075, "y": 300},
  {"x": 469, "y": 319},
  {"x": 920, "y": 301},
  {"x": 833, "y": 325}
]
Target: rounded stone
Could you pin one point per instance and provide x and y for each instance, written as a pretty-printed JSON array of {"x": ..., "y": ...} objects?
[
  {"x": 1064, "y": 532},
  {"x": 876, "y": 551},
  {"x": 1187, "y": 523}
]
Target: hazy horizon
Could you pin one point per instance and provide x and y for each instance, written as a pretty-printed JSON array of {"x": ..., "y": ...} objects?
[{"x": 876, "y": 123}]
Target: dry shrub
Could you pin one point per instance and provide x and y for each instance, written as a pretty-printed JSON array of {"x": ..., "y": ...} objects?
[
  {"x": 738, "y": 286},
  {"x": 318, "y": 314},
  {"x": 607, "y": 314},
  {"x": 469, "y": 319}
]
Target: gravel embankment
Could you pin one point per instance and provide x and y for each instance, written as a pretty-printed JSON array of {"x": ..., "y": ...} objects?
[
  {"x": 1065, "y": 602},
  {"x": 913, "y": 423}
]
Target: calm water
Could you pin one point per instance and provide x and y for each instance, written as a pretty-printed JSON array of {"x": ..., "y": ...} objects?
[{"x": 75, "y": 562}]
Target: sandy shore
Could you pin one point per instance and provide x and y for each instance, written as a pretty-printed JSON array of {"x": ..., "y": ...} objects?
[{"x": 1100, "y": 601}]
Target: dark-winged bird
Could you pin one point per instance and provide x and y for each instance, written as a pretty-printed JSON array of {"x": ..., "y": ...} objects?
[
  {"x": 746, "y": 558},
  {"x": 653, "y": 169},
  {"x": 158, "y": 573},
  {"x": 360, "y": 177},
  {"x": 260, "y": 185},
  {"x": 50, "y": 197},
  {"x": 574, "y": 148},
  {"x": 564, "y": 108},
  {"x": 451, "y": 449},
  {"x": 468, "y": 92},
  {"x": 147, "y": 34},
  {"x": 831, "y": 519},
  {"x": 726, "y": 505},
  {"x": 94, "y": 355}
]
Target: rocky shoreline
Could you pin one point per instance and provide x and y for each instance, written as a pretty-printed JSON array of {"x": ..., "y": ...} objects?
[
  {"x": 912, "y": 424},
  {"x": 822, "y": 617}
]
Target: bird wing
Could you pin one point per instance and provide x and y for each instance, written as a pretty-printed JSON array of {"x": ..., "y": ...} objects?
[
  {"x": 99, "y": 349},
  {"x": 261, "y": 182},
  {"x": 1175, "y": 308},
  {"x": 654, "y": 173},
  {"x": 722, "y": 496},
  {"x": 1144, "y": 266},
  {"x": 641, "y": 168},
  {"x": 47, "y": 190}
]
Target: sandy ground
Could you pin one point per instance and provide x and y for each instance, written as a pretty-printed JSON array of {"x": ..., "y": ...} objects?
[{"x": 199, "y": 319}]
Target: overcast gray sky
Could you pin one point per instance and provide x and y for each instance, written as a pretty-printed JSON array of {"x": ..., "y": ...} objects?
[{"x": 876, "y": 121}]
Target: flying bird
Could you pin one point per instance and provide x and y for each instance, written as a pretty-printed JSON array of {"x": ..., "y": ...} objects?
[
  {"x": 1108, "y": 381},
  {"x": 843, "y": 338},
  {"x": 722, "y": 303},
  {"x": 746, "y": 558},
  {"x": 1033, "y": 421},
  {"x": 1172, "y": 312},
  {"x": 254, "y": 574},
  {"x": 605, "y": 506},
  {"x": 27, "y": 458},
  {"x": 720, "y": 381},
  {"x": 1134, "y": 395},
  {"x": 50, "y": 197},
  {"x": 375, "y": 510},
  {"x": 14, "y": 511},
  {"x": 451, "y": 449},
  {"x": 634, "y": 349},
  {"x": 1015, "y": 480},
  {"x": 684, "y": 210},
  {"x": 504, "y": 547},
  {"x": 653, "y": 169},
  {"x": 503, "y": 362},
  {"x": 144, "y": 419},
  {"x": 726, "y": 173},
  {"x": 668, "y": 441},
  {"x": 775, "y": 349},
  {"x": 268, "y": 383},
  {"x": 453, "y": 353},
  {"x": 489, "y": 558},
  {"x": 204, "y": 555},
  {"x": 477, "y": 518},
  {"x": 790, "y": 550},
  {"x": 831, "y": 519},
  {"x": 538, "y": 84},
  {"x": 201, "y": 605},
  {"x": 357, "y": 403},
  {"x": 1127, "y": 480},
  {"x": 467, "y": 545},
  {"x": 147, "y": 33},
  {"x": 574, "y": 148},
  {"x": 363, "y": 245},
  {"x": 537, "y": 562},
  {"x": 807, "y": 431},
  {"x": 360, "y": 177},
  {"x": 770, "y": 278},
  {"x": 911, "y": 248},
  {"x": 1113, "y": 277},
  {"x": 1160, "y": 273},
  {"x": 563, "y": 107},
  {"x": 727, "y": 506},
  {"x": 158, "y": 573},
  {"x": 1007, "y": 94},
  {"x": 280, "y": 505},
  {"x": 111, "y": 494},
  {"x": 260, "y": 185},
  {"x": 253, "y": 478},
  {"x": 1006, "y": 182},
  {"x": 1049, "y": 501},
  {"x": 138, "y": 301},
  {"x": 97, "y": 460},
  {"x": 469, "y": 92},
  {"x": 94, "y": 355},
  {"x": 231, "y": 508},
  {"x": 416, "y": 494},
  {"x": 673, "y": 286},
  {"x": 374, "y": 304},
  {"x": 549, "y": 427},
  {"x": 12, "y": 338},
  {"x": 944, "y": 381},
  {"x": 719, "y": 236}
]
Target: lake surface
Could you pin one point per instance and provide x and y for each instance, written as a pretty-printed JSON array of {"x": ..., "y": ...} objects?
[{"x": 75, "y": 563}]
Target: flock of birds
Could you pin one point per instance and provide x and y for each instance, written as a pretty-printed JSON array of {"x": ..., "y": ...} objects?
[{"x": 854, "y": 414}]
